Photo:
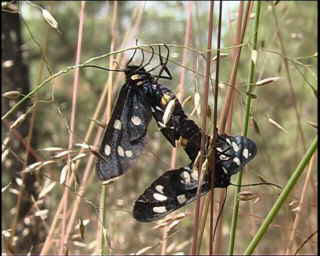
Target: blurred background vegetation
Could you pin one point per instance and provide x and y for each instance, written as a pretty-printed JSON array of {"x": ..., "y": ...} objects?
[{"x": 284, "y": 118}]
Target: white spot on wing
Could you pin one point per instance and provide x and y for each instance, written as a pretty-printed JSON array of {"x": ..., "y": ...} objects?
[
  {"x": 120, "y": 151},
  {"x": 139, "y": 83},
  {"x": 159, "y": 109},
  {"x": 117, "y": 125},
  {"x": 223, "y": 157},
  {"x": 228, "y": 140},
  {"x": 136, "y": 120},
  {"x": 168, "y": 111},
  {"x": 159, "y": 209},
  {"x": 107, "y": 150},
  {"x": 181, "y": 198},
  {"x": 235, "y": 147},
  {"x": 224, "y": 170},
  {"x": 236, "y": 160},
  {"x": 159, "y": 188},
  {"x": 159, "y": 197},
  {"x": 245, "y": 153},
  {"x": 129, "y": 153},
  {"x": 185, "y": 177}
]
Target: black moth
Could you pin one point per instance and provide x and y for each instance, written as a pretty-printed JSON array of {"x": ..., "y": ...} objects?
[
  {"x": 141, "y": 98},
  {"x": 123, "y": 140},
  {"x": 176, "y": 188}
]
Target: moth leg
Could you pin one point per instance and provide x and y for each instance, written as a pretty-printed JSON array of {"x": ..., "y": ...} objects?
[
  {"x": 150, "y": 59},
  {"x": 163, "y": 66},
  {"x": 131, "y": 58}
]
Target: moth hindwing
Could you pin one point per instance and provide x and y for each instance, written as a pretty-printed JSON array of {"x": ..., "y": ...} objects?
[
  {"x": 234, "y": 152},
  {"x": 173, "y": 190},
  {"x": 177, "y": 188}
]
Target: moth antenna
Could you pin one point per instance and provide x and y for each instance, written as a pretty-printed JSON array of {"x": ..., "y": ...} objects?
[
  {"x": 162, "y": 65},
  {"x": 149, "y": 61},
  {"x": 141, "y": 64},
  {"x": 134, "y": 53}
]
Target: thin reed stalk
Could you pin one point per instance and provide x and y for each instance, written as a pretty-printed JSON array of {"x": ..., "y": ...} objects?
[
  {"x": 283, "y": 196},
  {"x": 212, "y": 158},
  {"x": 251, "y": 81},
  {"x": 180, "y": 95},
  {"x": 236, "y": 57},
  {"x": 203, "y": 126},
  {"x": 290, "y": 250},
  {"x": 64, "y": 237},
  {"x": 101, "y": 245}
]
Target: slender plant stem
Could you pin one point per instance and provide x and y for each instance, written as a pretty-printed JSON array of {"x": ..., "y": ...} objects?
[
  {"x": 180, "y": 95},
  {"x": 298, "y": 217},
  {"x": 205, "y": 211},
  {"x": 245, "y": 129},
  {"x": 212, "y": 158},
  {"x": 235, "y": 56},
  {"x": 283, "y": 196},
  {"x": 102, "y": 217},
  {"x": 69, "y": 180},
  {"x": 204, "y": 127},
  {"x": 102, "y": 209}
]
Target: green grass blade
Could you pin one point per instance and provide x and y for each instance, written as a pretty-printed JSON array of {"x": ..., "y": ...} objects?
[{"x": 283, "y": 196}]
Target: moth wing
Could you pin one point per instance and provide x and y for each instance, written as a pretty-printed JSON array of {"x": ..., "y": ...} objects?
[
  {"x": 124, "y": 136},
  {"x": 237, "y": 152},
  {"x": 171, "y": 191}
]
